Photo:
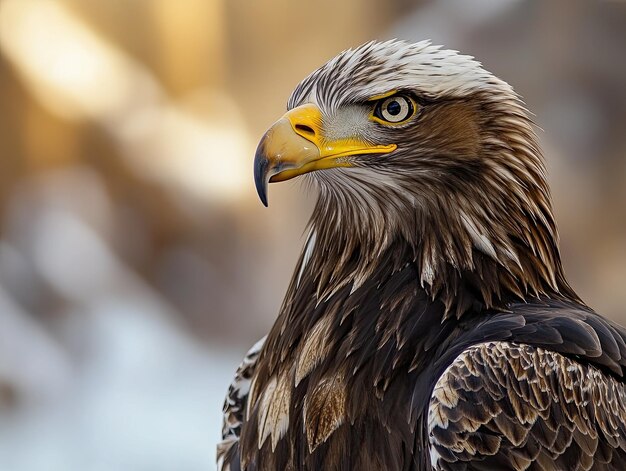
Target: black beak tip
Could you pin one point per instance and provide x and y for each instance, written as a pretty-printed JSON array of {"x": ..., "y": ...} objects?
[
  {"x": 261, "y": 168},
  {"x": 263, "y": 198}
]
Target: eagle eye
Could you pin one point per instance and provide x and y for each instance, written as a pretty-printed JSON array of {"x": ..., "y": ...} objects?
[{"x": 394, "y": 109}]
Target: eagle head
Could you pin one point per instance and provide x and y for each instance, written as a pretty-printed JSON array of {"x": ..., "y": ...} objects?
[{"x": 420, "y": 149}]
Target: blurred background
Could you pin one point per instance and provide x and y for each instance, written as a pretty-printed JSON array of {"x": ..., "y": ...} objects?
[{"x": 136, "y": 263}]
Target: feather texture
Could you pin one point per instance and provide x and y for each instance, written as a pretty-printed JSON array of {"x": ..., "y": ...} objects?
[
  {"x": 234, "y": 410},
  {"x": 513, "y": 406},
  {"x": 429, "y": 324}
]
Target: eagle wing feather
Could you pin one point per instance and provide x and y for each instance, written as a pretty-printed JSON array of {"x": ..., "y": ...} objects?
[
  {"x": 235, "y": 408},
  {"x": 502, "y": 405}
]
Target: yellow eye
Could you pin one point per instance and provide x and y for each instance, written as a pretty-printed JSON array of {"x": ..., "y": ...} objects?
[{"x": 395, "y": 109}]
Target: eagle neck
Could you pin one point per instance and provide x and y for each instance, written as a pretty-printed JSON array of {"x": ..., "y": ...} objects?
[{"x": 455, "y": 262}]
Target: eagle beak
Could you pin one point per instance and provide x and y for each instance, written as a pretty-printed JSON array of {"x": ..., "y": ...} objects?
[{"x": 296, "y": 145}]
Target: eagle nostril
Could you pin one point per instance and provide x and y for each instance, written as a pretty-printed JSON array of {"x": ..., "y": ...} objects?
[{"x": 305, "y": 131}]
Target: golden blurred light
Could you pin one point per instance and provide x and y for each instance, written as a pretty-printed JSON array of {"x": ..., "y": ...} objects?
[
  {"x": 77, "y": 74},
  {"x": 205, "y": 159},
  {"x": 70, "y": 69}
]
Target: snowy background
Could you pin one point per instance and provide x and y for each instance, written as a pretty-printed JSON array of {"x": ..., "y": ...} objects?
[{"x": 137, "y": 265}]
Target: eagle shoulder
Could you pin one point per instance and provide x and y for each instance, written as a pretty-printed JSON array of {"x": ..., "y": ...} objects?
[
  {"x": 234, "y": 409},
  {"x": 504, "y": 405}
]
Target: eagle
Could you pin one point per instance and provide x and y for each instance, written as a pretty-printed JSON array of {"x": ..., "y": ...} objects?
[{"x": 429, "y": 324}]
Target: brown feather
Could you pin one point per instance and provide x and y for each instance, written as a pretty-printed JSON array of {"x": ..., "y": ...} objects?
[
  {"x": 570, "y": 440},
  {"x": 429, "y": 311}
]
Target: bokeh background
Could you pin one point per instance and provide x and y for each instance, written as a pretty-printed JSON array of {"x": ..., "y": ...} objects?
[{"x": 136, "y": 263}]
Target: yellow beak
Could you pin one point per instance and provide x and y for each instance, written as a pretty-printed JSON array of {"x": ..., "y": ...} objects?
[{"x": 295, "y": 145}]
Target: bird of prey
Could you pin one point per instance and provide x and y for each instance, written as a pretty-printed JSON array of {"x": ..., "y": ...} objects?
[{"x": 428, "y": 324}]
